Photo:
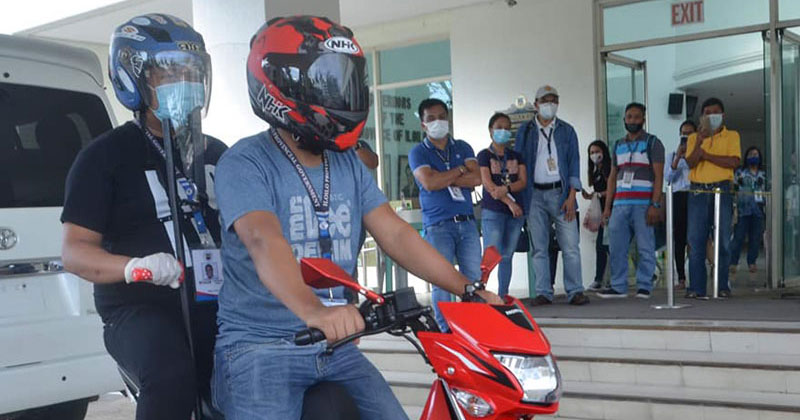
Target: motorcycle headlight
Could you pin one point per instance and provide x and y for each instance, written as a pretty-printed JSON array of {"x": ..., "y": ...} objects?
[{"x": 538, "y": 376}]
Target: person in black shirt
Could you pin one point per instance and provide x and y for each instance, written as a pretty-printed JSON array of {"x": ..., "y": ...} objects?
[
  {"x": 116, "y": 217},
  {"x": 503, "y": 176},
  {"x": 599, "y": 169}
]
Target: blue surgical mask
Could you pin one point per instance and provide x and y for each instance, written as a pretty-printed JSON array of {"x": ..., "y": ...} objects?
[
  {"x": 754, "y": 161},
  {"x": 177, "y": 100},
  {"x": 501, "y": 136}
]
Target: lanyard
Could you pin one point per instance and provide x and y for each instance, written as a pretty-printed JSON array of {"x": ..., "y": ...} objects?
[
  {"x": 549, "y": 138},
  {"x": 321, "y": 207},
  {"x": 503, "y": 168},
  {"x": 189, "y": 189},
  {"x": 446, "y": 157}
]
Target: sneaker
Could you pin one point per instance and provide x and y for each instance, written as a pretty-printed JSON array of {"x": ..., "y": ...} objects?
[
  {"x": 611, "y": 294},
  {"x": 579, "y": 299},
  {"x": 725, "y": 294},
  {"x": 693, "y": 295},
  {"x": 540, "y": 300},
  {"x": 595, "y": 286},
  {"x": 642, "y": 294},
  {"x": 753, "y": 268},
  {"x": 681, "y": 284}
]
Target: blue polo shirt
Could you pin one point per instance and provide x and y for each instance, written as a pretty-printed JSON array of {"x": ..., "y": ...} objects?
[{"x": 439, "y": 205}]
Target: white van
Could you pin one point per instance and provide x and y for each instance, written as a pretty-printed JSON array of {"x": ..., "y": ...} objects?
[{"x": 52, "y": 357}]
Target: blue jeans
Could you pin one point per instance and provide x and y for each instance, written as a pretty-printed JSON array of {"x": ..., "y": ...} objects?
[
  {"x": 545, "y": 208},
  {"x": 626, "y": 221},
  {"x": 753, "y": 227},
  {"x": 502, "y": 231},
  {"x": 701, "y": 218},
  {"x": 268, "y": 380},
  {"x": 455, "y": 241}
]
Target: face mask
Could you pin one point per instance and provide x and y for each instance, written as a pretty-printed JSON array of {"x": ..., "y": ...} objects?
[
  {"x": 437, "y": 129},
  {"x": 634, "y": 128},
  {"x": 548, "y": 110},
  {"x": 715, "y": 121},
  {"x": 753, "y": 160},
  {"x": 596, "y": 157},
  {"x": 501, "y": 136},
  {"x": 177, "y": 100}
]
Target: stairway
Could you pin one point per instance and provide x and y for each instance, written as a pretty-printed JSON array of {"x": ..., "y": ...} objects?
[{"x": 644, "y": 369}]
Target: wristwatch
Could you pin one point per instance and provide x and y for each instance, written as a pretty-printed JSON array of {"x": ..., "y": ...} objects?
[{"x": 656, "y": 205}]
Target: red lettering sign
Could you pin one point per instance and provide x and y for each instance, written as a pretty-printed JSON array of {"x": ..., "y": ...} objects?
[{"x": 687, "y": 12}]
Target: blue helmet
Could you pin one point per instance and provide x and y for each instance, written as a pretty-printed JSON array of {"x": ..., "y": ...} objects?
[{"x": 163, "y": 42}]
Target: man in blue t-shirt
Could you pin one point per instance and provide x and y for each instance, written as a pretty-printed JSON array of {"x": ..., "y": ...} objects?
[
  {"x": 446, "y": 171},
  {"x": 298, "y": 190}
]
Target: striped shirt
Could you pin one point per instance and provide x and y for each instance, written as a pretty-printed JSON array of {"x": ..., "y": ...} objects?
[{"x": 636, "y": 157}]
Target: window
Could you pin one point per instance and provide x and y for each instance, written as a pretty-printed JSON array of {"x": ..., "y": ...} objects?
[
  {"x": 41, "y": 132},
  {"x": 407, "y": 76}
]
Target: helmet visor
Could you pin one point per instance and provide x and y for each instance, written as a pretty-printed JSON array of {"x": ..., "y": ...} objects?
[
  {"x": 333, "y": 81},
  {"x": 179, "y": 79}
]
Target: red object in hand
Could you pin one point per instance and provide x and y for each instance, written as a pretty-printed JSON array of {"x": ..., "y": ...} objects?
[{"x": 143, "y": 274}]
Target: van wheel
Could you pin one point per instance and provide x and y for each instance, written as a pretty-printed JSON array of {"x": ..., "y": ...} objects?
[{"x": 70, "y": 410}]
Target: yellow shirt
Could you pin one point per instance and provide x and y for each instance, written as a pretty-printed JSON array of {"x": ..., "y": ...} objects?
[{"x": 724, "y": 143}]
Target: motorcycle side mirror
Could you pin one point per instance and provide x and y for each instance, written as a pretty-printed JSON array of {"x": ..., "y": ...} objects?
[
  {"x": 322, "y": 273},
  {"x": 491, "y": 257}
]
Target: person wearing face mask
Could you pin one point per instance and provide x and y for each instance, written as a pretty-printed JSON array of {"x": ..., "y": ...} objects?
[
  {"x": 676, "y": 172},
  {"x": 549, "y": 147},
  {"x": 503, "y": 177},
  {"x": 634, "y": 191},
  {"x": 599, "y": 170},
  {"x": 751, "y": 182},
  {"x": 446, "y": 171},
  {"x": 114, "y": 216},
  {"x": 713, "y": 153}
]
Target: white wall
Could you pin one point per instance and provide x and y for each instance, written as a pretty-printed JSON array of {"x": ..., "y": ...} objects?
[{"x": 498, "y": 53}]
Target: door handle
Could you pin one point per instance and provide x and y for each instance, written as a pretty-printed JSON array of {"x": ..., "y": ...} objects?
[{"x": 27, "y": 268}]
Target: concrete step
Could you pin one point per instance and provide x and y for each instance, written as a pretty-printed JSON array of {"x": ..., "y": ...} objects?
[{"x": 584, "y": 400}]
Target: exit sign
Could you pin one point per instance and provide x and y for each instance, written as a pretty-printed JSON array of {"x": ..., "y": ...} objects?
[{"x": 687, "y": 12}]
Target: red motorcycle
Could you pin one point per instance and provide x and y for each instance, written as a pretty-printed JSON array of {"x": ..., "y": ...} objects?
[{"x": 495, "y": 362}]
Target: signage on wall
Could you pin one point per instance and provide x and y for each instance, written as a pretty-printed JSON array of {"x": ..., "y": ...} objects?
[
  {"x": 520, "y": 112},
  {"x": 687, "y": 12}
]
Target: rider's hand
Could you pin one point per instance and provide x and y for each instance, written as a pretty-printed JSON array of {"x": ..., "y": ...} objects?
[
  {"x": 490, "y": 297},
  {"x": 160, "y": 269},
  {"x": 336, "y": 322}
]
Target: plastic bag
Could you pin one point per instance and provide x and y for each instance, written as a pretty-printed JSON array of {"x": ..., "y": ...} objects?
[{"x": 594, "y": 216}]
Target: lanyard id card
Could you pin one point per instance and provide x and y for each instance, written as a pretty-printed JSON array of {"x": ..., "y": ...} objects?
[
  {"x": 208, "y": 275},
  {"x": 627, "y": 179},
  {"x": 455, "y": 193}
]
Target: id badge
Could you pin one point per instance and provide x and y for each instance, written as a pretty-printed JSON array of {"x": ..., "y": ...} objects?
[
  {"x": 552, "y": 166},
  {"x": 456, "y": 194},
  {"x": 207, "y": 265},
  {"x": 627, "y": 179}
]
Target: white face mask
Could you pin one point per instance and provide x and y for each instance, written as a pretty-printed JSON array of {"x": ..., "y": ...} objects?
[
  {"x": 596, "y": 157},
  {"x": 437, "y": 129},
  {"x": 548, "y": 110},
  {"x": 715, "y": 121}
]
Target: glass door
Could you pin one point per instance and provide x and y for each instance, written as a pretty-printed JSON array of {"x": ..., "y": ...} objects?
[
  {"x": 790, "y": 92},
  {"x": 626, "y": 81}
]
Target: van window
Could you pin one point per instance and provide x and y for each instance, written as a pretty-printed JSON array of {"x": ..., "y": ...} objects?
[{"x": 41, "y": 132}]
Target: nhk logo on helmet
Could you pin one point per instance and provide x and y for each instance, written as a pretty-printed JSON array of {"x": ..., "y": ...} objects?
[
  {"x": 271, "y": 105},
  {"x": 342, "y": 45}
]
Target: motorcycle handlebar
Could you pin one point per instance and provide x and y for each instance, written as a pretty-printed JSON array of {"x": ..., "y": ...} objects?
[{"x": 309, "y": 336}]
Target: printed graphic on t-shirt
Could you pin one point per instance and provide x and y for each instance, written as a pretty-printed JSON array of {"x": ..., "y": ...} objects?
[{"x": 304, "y": 227}]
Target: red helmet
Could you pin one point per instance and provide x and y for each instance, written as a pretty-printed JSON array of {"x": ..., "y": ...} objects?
[{"x": 307, "y": 75}]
